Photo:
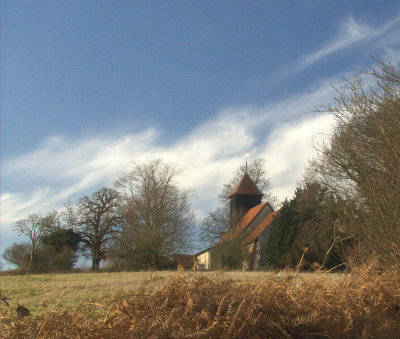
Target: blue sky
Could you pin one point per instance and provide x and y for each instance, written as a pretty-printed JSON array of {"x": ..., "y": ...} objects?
[{"x": 87, "y": 87}]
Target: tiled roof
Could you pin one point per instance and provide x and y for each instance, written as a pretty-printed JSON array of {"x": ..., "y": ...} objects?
[
  {"x": 246, "y": 186},
  {"x": 260, "y": 228},
  {"x": 242, "y": 225}
]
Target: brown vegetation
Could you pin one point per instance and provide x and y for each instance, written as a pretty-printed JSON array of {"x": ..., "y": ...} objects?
[
  {"x": 361, "y": 162},
  {"x": 365, "y": 303}
]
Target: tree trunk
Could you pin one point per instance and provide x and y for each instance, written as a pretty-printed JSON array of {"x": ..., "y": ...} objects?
[
  {"x": 96, "y": 264},
  {"x": 30, "y": 260}
]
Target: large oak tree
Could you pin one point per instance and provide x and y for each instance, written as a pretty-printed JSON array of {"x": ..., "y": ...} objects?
[{"x": 98, "y": 222}]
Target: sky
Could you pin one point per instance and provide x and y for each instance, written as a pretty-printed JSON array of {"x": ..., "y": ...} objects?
[{"x": 89, "y": 87}]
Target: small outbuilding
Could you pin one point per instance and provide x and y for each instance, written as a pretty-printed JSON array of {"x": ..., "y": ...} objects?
[{"x": 186, "y": 261}]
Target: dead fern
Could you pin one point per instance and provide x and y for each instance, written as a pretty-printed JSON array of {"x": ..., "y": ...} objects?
[{"x": 365, "y": 303}]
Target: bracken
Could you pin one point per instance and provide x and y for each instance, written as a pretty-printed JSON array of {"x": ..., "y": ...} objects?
[{"x": 365, "y": 303}]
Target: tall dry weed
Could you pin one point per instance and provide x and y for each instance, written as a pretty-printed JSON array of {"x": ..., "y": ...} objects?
[{"x": 363, "y": 304}]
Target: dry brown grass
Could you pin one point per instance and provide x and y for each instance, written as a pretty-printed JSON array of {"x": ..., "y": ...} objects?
[
  {"x": 365, "y": 303},
  {"x": 58, "y": 292}
]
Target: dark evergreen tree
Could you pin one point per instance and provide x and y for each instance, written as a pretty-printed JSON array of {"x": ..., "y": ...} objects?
[
  {"x": 307, "y": 224},
  {"x": 284, "y": 230},
  {"x": 60, "y": 238}
]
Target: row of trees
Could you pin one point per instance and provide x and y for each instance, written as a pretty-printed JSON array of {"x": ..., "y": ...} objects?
[
  {"x": 346, "y": 209},
  {"x": 139, "y": 223}
]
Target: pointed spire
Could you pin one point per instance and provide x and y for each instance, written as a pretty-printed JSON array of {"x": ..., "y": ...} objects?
[{"x": 246, "y": 186}]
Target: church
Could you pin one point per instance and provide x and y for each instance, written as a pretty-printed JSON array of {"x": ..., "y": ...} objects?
[{"x": 244, "y": 245}]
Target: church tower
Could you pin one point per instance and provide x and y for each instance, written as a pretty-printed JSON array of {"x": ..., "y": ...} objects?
[{"x": 246, "y": 195}]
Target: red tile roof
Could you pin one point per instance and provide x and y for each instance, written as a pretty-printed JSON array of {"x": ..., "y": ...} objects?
[
  {"x": 260, "y": 228},
  {"x": 242, "y": 225},
  {"x": 246, "y": 186}
]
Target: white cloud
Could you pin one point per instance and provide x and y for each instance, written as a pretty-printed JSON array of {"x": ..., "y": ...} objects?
[
  {"x": 63, "y": 168},
  {"x": 61, "y": 158},
  {"x": 295, "y": 142}
]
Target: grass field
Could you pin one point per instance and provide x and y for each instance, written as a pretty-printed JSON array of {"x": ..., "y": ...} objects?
[
  {"x": 203, "y": 304},
  {"x": 41, "y": 292}
]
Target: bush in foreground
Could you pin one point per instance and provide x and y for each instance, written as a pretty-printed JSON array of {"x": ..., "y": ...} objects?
[{"x": 365, "y": 303}]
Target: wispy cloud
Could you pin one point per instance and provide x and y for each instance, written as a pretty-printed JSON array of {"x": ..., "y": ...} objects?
[
  {"x": 350, "y": 33},
  {"x": 64, "y": 168}
]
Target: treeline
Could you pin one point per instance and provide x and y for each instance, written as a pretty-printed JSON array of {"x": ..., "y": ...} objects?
[
  {"x": 347, "y": 210},
  {"x": 137, "y": 224}
]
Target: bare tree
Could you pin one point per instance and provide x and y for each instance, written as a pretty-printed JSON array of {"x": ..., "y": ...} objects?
[
  {"x": 98, "y": 222},
  {"x": 217, "y": 223},
  {"x": 70, "y": 216},
  {"x": 361, "y": 162},
  {"x": 52, "y": 221},
  {"x": 19, "y": 254},
  {"x": 157, "y": 215},
  {"x": 32, "y": 227}
]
